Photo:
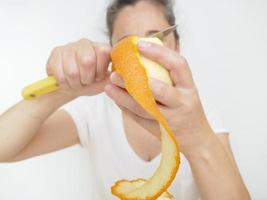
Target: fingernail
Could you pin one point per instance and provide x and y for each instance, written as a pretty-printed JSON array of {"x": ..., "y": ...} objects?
[
  {"x": 112, "y": 75},
  {"x": 143, "y": 44}
]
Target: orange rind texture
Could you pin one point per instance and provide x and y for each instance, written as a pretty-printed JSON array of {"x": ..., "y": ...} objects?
[
  {"x": 139, "y": 182},
  {"x": 135, "y": 70}
]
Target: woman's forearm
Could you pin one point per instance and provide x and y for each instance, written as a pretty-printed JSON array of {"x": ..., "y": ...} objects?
[
  {"x": 215, "y": 172},
  {"x": 20, "y": 123}
]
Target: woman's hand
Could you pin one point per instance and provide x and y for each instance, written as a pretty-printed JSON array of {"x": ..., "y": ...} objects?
[
  {"x": 81, "y": 68},
  {"x": 180, "y": 103}
]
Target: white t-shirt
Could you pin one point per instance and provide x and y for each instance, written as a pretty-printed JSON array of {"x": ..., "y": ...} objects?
[{"x": 100, "y": 128}]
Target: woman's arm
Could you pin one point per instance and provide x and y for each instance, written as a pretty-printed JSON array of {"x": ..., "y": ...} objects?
[
  {"x": 215, "y": 171},
  {"x": 30, "y": 128},
  {"x": 210, "y": 158}
]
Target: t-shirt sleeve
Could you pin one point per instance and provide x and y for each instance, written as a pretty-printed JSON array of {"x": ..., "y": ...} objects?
[
  {"x": 80, "y": 111},
  {"x": 214, "y": 119}
]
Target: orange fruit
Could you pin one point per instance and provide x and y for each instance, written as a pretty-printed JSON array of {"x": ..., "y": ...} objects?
[{"x": 135, "y": 70}]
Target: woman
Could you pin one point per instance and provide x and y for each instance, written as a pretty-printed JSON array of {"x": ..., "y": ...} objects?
[{"x": 125, "y": 144}]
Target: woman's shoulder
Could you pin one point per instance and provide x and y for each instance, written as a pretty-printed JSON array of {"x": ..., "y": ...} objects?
[{"x": 87, "y": 112}]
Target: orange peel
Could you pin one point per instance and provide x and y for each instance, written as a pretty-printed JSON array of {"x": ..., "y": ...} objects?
[{"x": 135, "y": 70}]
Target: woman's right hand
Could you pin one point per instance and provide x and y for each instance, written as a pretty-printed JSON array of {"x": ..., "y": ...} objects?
[{"x": 81, "y": 68}]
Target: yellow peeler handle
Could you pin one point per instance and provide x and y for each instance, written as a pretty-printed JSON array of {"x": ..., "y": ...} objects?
[{"x": 40, "y": 88}]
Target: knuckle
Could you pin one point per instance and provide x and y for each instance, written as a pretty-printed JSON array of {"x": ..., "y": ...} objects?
[
  {"x": 55, "y": 51},
  {"x": 182, "y": 61},
  {"x": 68, "y": 45},
  {"x": 104, "y": 50},
  {"x": 72, "y": 73},
  {"x": 83, "y": 40},
  {"x": 87, "y": 61}
]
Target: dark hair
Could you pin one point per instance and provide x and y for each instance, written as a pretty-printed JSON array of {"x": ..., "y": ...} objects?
[{"x": 114, "y": 8}]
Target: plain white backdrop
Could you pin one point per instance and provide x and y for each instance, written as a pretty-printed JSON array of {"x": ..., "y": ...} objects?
[{"x": 225, "y": 43}]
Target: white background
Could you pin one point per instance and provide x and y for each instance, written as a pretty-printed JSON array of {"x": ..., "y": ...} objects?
[{"x": 224, "y": 41}]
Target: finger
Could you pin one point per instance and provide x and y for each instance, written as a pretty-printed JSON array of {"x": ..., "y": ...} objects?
[
  {"x": 70, "y": 68},
  {"x": 169, "y": 59},
  {"x": 61, "y": 80},
  {"x": 164, "y": 93},
  {"x": 116, "y": 79},
  {"x": 103, "y": 59},
  {"x": 150, "y": 125},
  {"x": 95, "y": 88},
  {"x": 54, "y": 68},
  {"x": 86, "y": 61},
  {"x": 169, "y": 113},
  {"x": 122, "y": 98}
]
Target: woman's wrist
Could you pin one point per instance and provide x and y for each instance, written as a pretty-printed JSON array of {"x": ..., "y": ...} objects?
[
  {"x": 205, "y": 142},
  {"x": 45, "y": 105}
]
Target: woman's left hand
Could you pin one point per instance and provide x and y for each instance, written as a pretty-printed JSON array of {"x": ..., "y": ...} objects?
[{"x": 180, "y": 103}]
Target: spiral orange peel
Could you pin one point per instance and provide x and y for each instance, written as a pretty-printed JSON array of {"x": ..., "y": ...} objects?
[{"x": 135, "y": 69}]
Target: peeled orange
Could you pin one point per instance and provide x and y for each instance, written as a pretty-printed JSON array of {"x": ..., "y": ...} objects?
[{"x": 135, "y": 70}]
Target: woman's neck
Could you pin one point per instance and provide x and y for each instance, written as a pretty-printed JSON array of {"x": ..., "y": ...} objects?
[{"x": 144, "y": 144}]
